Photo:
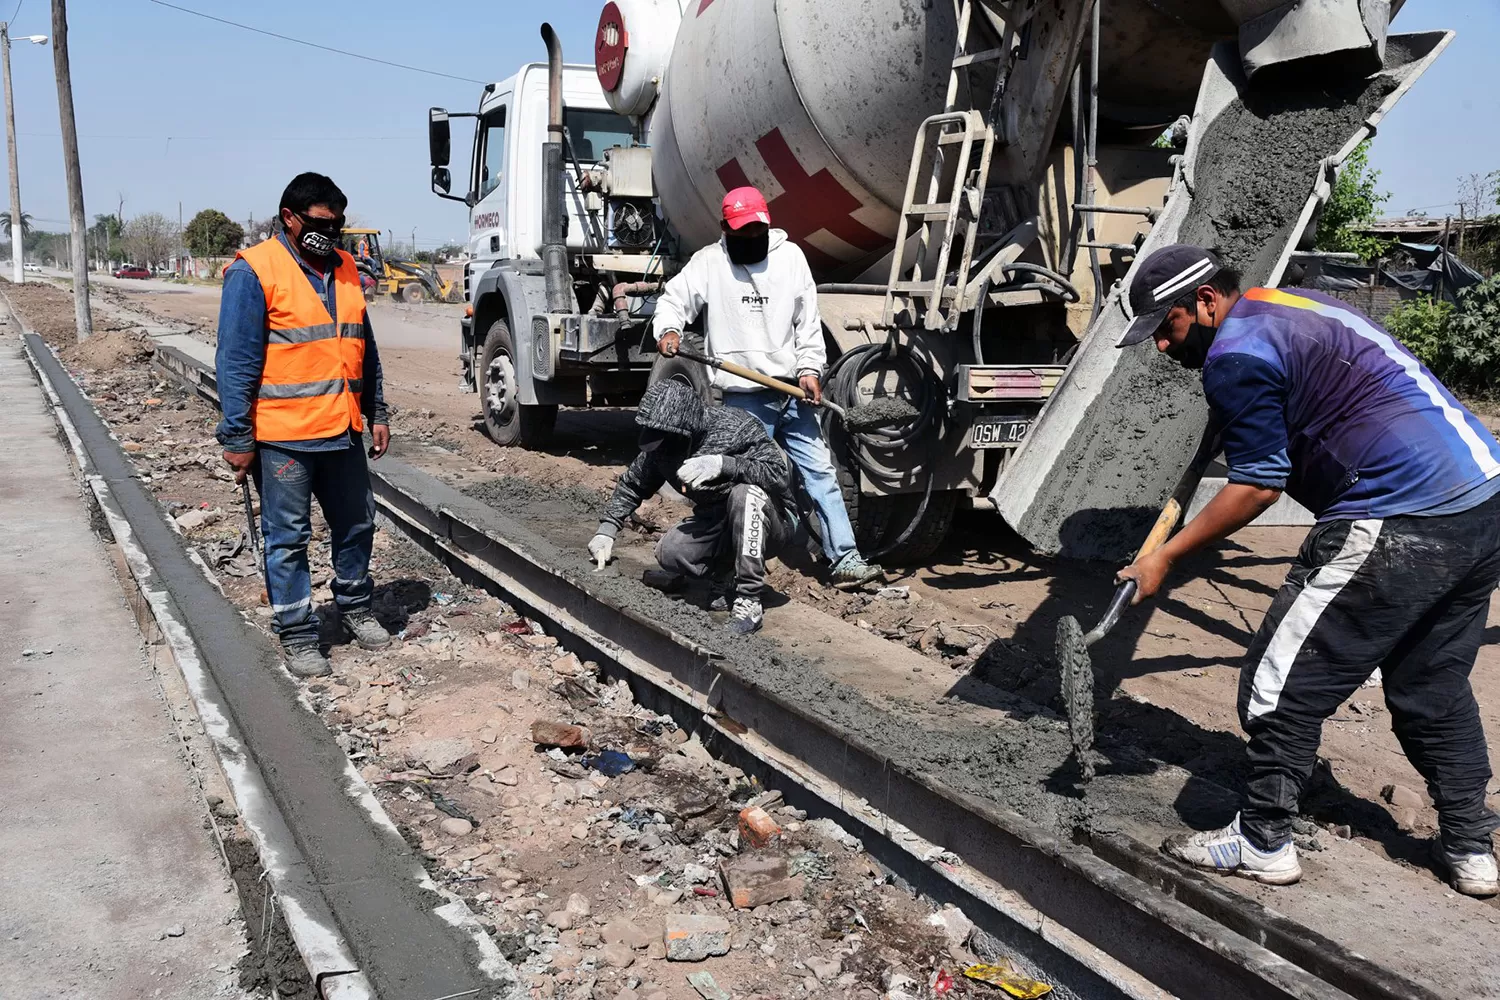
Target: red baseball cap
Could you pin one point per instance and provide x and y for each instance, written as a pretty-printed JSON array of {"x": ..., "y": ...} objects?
[{"x": 745, "y": 205}]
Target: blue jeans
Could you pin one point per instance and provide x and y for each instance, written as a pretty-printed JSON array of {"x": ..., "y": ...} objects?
[
  {"x": 288, "y": 481},
  {"x": 793, "y": 424}
]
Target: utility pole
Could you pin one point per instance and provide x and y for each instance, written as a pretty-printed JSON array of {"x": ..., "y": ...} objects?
[
  {"x": 69, "y": 125},
  {"x": 17, "y": 246}
]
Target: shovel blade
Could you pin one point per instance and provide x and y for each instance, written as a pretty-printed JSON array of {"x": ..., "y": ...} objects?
[{"x": 1077, "y": 674}]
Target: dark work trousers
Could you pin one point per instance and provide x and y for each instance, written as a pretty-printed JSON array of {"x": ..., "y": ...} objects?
[
  {"x": 1408, "y": 595},
  {"x": 748, "y": 526},
  {"x": 288, "y": 481}
]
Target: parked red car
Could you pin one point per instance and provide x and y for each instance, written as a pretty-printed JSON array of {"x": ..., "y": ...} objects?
[{"x": 131, "y": 271}]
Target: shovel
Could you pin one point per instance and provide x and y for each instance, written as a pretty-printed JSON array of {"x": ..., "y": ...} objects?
[
  {"x": 893, "y": 411},
  {"x": 1077, "y": 670}
]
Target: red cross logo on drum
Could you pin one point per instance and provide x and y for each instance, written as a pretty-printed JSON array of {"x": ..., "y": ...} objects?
[{"x": 808, "y": 203}]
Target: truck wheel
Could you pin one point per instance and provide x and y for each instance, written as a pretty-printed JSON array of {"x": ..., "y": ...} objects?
[
  {"x": 507, "y": 420},
  {"x": 690, "y": 373},
  {"x": 413, "y": 293},
  {"x": 869, "y": 514},
  {"x": 930, "y": 532}
]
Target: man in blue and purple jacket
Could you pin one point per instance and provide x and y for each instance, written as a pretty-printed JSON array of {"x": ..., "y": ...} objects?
[{"x": 1315, "y": 399}]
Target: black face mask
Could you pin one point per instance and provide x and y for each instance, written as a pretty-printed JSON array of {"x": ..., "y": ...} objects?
[
  {"x": 748, "y": 249},
  {"x": 1192, "y": 353},
  {"x": 319, "y": 236}
]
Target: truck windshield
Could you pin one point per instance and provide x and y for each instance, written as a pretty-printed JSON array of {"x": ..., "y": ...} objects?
[{"x": 592, "y": 132}]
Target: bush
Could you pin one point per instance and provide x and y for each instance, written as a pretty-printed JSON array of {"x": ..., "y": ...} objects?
[
  {"x": 1476, "y": 337},
  {"x": 1460, "y": 345},
  {"x": 1422, "y": 324}
]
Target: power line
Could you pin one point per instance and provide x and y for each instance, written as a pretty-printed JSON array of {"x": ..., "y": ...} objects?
[
  {"x": 18, "y": 11},
  {"x": 231, "y": 138},
  {"x": 314, "y": 45}
]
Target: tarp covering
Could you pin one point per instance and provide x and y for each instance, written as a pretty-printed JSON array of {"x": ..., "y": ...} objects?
[{"x": 1437, "y": 273}]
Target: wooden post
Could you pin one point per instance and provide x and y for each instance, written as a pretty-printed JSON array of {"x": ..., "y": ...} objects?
[{"x": 79, "y": 249}]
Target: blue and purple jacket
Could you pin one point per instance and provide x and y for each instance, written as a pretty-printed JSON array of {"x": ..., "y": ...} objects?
[{"x": 1316, "y": 399}]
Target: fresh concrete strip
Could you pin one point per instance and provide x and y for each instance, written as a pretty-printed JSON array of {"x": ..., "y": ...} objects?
[{"x": 358, "y": 902}]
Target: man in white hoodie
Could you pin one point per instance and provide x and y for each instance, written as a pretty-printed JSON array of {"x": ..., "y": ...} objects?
[{"x": 763, "y": 315}]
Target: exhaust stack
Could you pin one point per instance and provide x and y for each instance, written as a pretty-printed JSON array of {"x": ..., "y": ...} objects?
[{"x": 554, "y": 221}]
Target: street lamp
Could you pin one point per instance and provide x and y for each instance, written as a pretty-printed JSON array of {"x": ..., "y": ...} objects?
[{"x": 17, "y": 247}]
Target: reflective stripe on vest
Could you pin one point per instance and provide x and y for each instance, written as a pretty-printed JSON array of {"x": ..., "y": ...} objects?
[{"x": 314, "y": 371}]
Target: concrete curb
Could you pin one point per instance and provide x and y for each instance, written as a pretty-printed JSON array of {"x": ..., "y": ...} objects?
[
  {"x": 307, "y": 911},
  {"x": 308, "y": 918}
]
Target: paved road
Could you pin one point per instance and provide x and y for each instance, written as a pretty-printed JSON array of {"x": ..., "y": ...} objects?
[{"x": 103, "y": 844}]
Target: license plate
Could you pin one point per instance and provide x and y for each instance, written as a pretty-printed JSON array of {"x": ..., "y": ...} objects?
[{"x": 998, "y": 432}]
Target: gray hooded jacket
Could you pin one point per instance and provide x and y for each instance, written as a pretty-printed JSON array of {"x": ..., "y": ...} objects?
[{"x": 749, "y": 455}]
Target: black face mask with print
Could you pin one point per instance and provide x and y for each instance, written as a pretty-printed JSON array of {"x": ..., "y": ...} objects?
[{"x": 745, "y": 250}]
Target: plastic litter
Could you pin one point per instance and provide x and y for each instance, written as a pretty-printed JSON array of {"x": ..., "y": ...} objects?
[
  {"x": 943, "y": 982},
  {"x": 1009, "y": 980}
]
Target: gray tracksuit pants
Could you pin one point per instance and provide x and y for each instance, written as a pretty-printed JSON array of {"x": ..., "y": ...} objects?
[{"x": 747, "y": 527}]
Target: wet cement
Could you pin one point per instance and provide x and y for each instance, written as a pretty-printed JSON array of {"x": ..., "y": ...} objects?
[
  {"x": 1077, "y": 681},
  {"x": 1024, "y": 762},
  {"x": 1258, "y": 164},
  {"x": 367, "y": 874},
  {"x": 883, "y": 411}
]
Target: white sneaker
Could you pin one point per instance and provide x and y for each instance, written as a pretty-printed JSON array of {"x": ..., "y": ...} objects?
[
  {"x": 1228, "y": 852},
  {"x": 1470, "y": 874}
]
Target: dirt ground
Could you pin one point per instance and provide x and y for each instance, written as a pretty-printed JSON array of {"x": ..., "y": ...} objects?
[
  {"x": 578, "y": 871},
  {"x": 985, "y": 608}
]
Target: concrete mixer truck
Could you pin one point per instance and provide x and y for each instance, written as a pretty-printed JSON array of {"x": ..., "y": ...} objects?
[{"x": 971, "y": 181}]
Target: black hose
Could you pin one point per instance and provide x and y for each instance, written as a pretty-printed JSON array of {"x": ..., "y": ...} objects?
[
  {"x": 929, "y": 397},
  {"x": 1043, "y": 272}
]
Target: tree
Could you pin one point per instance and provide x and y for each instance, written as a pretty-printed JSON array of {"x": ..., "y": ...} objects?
[
  {"x": 1476, "y": 194},
  {"x": 106, "y": 238},
  {"x": 5, "y": 225},
  {"x": 150, "y": 239},
  {"x": 213, "y": 234},
  {"x": 1355, "y": 202}
]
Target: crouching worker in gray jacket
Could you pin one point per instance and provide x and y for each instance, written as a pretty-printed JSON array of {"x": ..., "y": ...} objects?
[{"x": 738, "y": 481}]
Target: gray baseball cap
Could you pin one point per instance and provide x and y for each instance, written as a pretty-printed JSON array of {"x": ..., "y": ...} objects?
[{"x": 1163, "y": 278}]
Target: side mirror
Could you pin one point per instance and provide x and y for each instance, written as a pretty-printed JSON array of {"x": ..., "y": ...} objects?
[
  {"x": 442, "y": 180},
  {"x": 439, "y": 139}
]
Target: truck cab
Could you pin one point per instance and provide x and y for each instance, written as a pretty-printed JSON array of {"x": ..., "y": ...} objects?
[{"x": 522, "y": 369}]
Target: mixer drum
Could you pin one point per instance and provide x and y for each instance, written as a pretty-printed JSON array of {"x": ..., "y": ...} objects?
[{"x": 815, "y": 102}]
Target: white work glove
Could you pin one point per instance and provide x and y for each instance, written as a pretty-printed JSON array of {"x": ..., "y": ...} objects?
[
  {"x": 701, "y": 471},
  {"x": 601, "y": 547}
]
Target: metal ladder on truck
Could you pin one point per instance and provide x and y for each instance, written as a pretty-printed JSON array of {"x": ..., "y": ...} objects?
[{"x": 950, "y": 166}]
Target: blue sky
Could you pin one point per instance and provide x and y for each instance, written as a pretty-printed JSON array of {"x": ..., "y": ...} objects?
[{"x": 247, "y": 112}]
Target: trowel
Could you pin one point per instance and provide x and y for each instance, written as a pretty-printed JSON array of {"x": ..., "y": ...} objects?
[
  {"x": 256, "y": 548},
  {"x": 1077, "y": 670},
  {"x": 889, "y": 409}
]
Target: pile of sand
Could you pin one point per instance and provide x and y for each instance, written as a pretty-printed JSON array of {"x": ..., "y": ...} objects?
[{"x": 109, "y": 349}]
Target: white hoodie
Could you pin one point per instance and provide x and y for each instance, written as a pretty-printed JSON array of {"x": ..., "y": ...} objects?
[{"x": 762, "y": 316}]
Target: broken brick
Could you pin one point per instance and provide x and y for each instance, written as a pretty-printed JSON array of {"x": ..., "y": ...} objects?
[
  {"x": 560, "y": 734},
  {"x": 758, "y": 880},
  {"x": 692, "y": 937},
  {"x": 757, "y": 827}
]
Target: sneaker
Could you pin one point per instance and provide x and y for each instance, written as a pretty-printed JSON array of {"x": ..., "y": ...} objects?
[
  {"x": 306, "y": 660},
  {"x": 365, "y": 630},
  {"x": 1228, "y": 852},
  {"x": 853, "y": 571},
  {"x": 746, "y": 617},
  {"x": 1470, "y": 874}
]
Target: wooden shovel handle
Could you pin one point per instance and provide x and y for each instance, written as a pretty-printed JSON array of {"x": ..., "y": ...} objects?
[{"x": 746, "y": 373}]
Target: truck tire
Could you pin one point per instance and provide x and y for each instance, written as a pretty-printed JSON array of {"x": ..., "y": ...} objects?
[
  {"x": 930, "y": 532},
  {"x": 880, "y": 520},
  {"x": 680, "y": 369},
  {"x": 507, "y": 420},
  {"x": 413, "y": 293}
]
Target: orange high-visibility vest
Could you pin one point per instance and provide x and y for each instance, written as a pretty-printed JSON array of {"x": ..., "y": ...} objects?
[{"x": 315, "y": 363}]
